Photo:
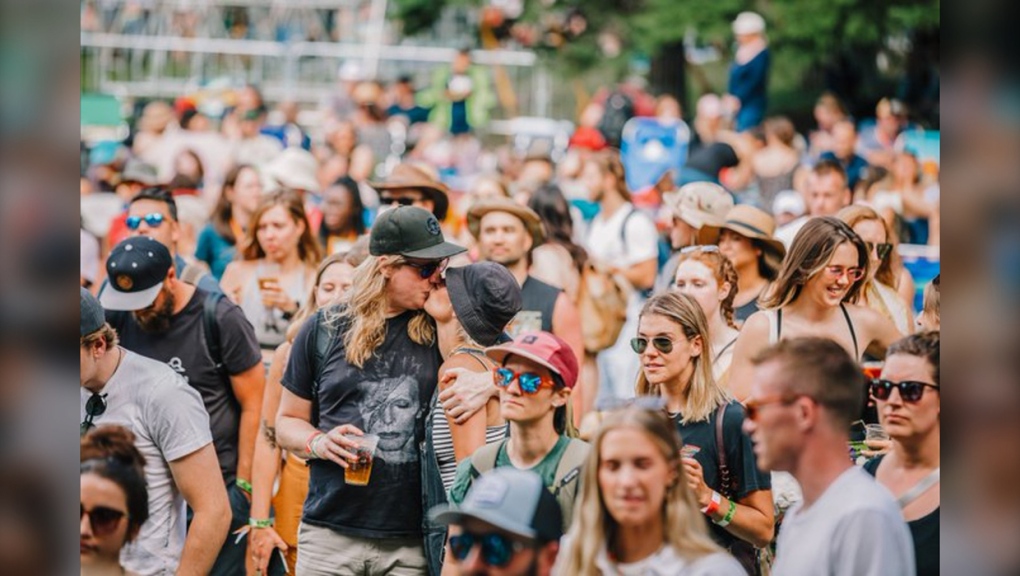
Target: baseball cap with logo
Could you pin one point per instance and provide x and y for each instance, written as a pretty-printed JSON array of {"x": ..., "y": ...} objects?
[
  {"x": 136, "y": 268},
  {"x": 512, "y": 500},
  {"x": 544, "y": 349},
  {"x": 700, "y": 203},
  {"x": 411, "y": 232}
]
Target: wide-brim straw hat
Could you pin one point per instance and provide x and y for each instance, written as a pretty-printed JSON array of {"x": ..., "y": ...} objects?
[
  {"x": 412, "y": 177},
  {"x": 748, "y": 221}
]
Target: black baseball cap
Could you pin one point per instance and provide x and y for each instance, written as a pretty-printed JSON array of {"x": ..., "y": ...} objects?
[
  {"x": 136, "y": 268},
  {"x": 411, "y": 232},
  {"x": 486, "y": 297},
  {"x": 509, "y": 499}
]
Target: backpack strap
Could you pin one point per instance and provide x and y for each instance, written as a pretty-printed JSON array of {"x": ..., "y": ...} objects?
[
  {"x": 727, "y": 483},
  {"x": 193, "y": 272},
  {"x": 623, "y": 228},
  {"x": 569, "y": 466},
  {"x": 484, "y": 459},
  {"x": 211, "y": 327}
]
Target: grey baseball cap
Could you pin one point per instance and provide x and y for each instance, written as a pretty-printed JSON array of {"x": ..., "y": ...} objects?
[
  {"x": 92, "y": 315},
  {"x": 509, "y": 499},
  {"x": 411, "y": 232}
]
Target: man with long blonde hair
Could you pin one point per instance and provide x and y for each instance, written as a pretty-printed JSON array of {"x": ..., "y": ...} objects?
[{"x": 375, "y": 376}]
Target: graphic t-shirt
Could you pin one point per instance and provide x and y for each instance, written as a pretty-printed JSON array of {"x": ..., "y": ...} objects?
[
  {"x": 699, "y": 442},
  {"x": 389, "y": 397},
  {"x": 183, "y": 347},
  {"x": 169, "y": 423}
]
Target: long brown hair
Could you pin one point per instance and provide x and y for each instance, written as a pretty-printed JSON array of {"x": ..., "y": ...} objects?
[
  {"x": 224, "y": 210},
  {"x": 704, "y": 394},
  {"x": 810, "y": 252},
  {"x": 308, "y": 248},
  {"x": 593, "y": 527},
  {"x": 857, "y": 213}
]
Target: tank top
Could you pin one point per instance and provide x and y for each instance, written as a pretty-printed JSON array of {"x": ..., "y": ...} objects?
[
  {"x": 776, "y": 327},
  {"x": 538, "y": 300},
  {"x": 442, "y": 439},
  {"x": 269, "y": 323}
]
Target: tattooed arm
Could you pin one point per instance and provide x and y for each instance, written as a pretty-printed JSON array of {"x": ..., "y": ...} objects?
[{"x": 267, "y": 464}]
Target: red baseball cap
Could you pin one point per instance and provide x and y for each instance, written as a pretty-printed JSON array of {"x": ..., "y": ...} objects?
[{"x": 544, "y": 349}]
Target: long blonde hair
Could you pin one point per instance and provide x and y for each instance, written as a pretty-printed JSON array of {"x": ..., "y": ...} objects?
[
  {"x": 592, "y": 528},
  {"x": 886, "y": 273},
  {"x": 703, "y": 394},
  {"x": 364, "y": 314}
]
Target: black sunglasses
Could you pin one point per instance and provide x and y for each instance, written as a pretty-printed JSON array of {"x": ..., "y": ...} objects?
[
  {"x": 427, "y": 269},
  {"x": 95, "y": 406},
  {"x": 910, "y": 390},
  {"x": 497, "y": 550},
  {"x": 883, "y": 248},
  {"x": 102, "y": 519},
  {"x": 401, "y": 200},
  {"x": 661, "y": 343}
]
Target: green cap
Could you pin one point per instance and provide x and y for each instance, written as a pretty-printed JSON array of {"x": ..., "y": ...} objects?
[{"x": 411, "y": 232}]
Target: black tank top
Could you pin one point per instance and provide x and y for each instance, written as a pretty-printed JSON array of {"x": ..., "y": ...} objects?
[{"x": 537, "y": 296}]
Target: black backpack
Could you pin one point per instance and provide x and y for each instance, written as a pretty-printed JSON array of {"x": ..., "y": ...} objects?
[{"x": 618, "y": 109}]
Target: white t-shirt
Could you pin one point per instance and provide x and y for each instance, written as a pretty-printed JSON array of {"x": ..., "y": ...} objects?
[
  {"x": 853, "y": 529},
  {"x": 606, "y": 244},
  {"x": 169, "y": 422}
]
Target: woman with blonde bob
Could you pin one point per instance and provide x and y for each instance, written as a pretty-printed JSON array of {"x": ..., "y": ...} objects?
[
  {"x": 636, "y": 514},
  {"x": 672, "y": 342},
  {"x": 815, "y": 294}
]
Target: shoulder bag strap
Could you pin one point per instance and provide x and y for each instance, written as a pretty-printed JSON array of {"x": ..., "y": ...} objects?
[
  {"x": 484, "y": 459},
  {"x": 726, "y": 480}
]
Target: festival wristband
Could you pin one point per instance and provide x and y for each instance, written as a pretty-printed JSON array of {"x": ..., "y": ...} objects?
[
  {"x": 309, "y": 444},
  {"x": 713, "y": 505},
  {"x": 267, "y": 523},
  {"x": 729, "y": 515},
  {"x": 243, "y": 485}
]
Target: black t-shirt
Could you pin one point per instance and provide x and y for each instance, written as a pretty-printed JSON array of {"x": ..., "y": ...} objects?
[
  {"x": 924, "y": 531},
  {"x": 183, "y": 348},
  {"x": 699, "y": 438},
  {"x": 388, "y": 397}
]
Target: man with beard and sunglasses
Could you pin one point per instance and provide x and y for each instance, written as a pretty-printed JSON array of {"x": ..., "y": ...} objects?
[
  {"x": 171, "y": 430},
  {"x": 213, "y": 347},
  {"x": 368, "y": 366},
  {"x": 508, "y": 525}
]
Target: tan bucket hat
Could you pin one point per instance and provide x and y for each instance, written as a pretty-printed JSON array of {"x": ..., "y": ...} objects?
[
  {"x": 748, "y": 221},
  {"x": 531, "y": 220},
  {"x": 699, "y": 203}
]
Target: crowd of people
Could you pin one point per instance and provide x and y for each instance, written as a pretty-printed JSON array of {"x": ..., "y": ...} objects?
[{"x": 305, "y": 350}]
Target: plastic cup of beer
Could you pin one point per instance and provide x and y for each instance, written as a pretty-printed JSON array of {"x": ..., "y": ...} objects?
[
  {"x": 359, "y": 470},
  {"x": 876, "y": 438}
]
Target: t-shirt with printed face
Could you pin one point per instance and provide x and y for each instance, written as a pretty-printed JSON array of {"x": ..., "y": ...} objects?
[
  {"x": 699, "y": 442},
  {"x": 169, "y": 422},
  {"x": 388, "y": 397},
  {"x": 183, "y": 347}
]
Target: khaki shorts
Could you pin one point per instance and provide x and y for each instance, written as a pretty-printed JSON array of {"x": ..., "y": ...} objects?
[{"x": 323, "y": 552}]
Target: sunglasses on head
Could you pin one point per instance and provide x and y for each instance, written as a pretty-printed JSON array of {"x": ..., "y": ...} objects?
[
  {"x": 400, "y": 200},
  {"x": 529, "y": 382},
  {"x": 427, "y": 269},
  {"x": 910, "y": 390},
  {"x": 95, "y": 406},
  {"x": 882, "y": 249},
  {"x": 699, "y": 248},
  {"x": 497, "y": 550},
  {"x": 152, "y": 220},
  {"x": 102, "y": 519},
  {"x": 661, "y": 343}
]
